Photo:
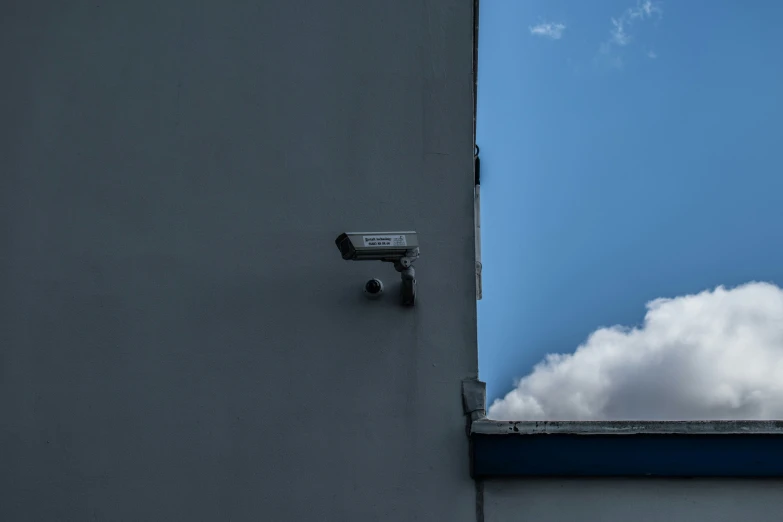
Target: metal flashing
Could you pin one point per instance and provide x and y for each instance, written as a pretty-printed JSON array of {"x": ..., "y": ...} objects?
[
  {"x": 627, "y": 448},
  {"x": 726, "y": 427}
]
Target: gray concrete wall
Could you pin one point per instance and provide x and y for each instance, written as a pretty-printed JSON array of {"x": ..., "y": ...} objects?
[
  {"x": 637, "y": 500},
  {"x": 180, "y": 338}
]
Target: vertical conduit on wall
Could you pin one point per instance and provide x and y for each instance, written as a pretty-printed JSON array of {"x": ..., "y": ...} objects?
[
  {"x": 476, "y": 162},
  {"x": 477, "y": 221}
]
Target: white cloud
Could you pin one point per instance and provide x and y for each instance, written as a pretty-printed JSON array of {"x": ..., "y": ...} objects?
[
  {"x": 619, "y": 35},
  {"x": 713, "y": 355},
  {"x": 549, "y": 30},
  {"x": 644, "y": 10},
  {"x": 652, "y": 54}
]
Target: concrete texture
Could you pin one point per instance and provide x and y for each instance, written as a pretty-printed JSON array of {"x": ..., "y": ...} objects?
[
  {"x": 180, "y": 337},
  {"x": 639, "y": 500}
]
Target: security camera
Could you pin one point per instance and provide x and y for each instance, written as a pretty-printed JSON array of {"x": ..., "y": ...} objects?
[
  {"x": 373, "y": 288},
  {"x": 377, "y": 246},
  {"x": 400, "y": 248}
]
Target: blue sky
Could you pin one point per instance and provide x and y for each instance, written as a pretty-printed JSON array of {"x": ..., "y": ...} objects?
[{"x": 622, "y": 161}]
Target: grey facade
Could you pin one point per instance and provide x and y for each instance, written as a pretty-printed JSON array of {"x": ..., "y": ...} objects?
[{"x": 180, "y": 339}]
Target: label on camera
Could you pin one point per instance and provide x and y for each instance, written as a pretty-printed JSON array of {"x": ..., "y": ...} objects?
[{"x": 396, "y": 240}]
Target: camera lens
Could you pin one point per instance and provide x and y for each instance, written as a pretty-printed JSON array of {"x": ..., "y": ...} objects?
[{"x": 373, "y": 286}]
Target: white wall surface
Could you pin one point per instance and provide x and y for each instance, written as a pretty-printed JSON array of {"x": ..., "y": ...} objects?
[
  {"x": 637, "y": 500},
  {"x": 180, "y": 337}
]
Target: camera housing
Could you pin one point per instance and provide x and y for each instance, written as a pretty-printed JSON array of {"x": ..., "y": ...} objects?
[
  {"x": 377, "y": 246},
  {"x": 373, "y": 288}
]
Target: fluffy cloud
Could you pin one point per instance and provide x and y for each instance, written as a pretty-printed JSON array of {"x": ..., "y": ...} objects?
[
  {"x": 549, "y": 30},
  {"x": 713, "y": 355}
]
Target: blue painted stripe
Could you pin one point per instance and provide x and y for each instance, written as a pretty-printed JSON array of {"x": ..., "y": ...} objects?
[{"x": 665, "y": 455}]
